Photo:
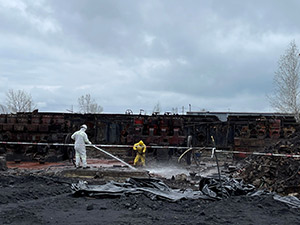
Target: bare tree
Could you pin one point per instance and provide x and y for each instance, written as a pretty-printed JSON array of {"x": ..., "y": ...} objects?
[
  {"x": 175, "y": 110},
  {"x": 88, "y": 105},
  {"x": 157, "y": 108},
  {"x": 285, "y": 97},
  {"x": 3, "y": 109},
  {"x": 19, "y": 101}
]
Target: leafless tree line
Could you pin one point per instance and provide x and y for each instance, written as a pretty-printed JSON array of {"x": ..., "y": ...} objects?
[
  {"x": 17, "y": 101},
  {"x": 88, "y": 105},
  {"x": 21, "y": 101}
]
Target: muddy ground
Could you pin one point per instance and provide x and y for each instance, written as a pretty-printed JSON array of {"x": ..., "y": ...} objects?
[{"x": 40, "y": 198}]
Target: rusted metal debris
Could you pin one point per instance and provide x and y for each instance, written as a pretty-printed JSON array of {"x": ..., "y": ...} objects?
[
  {"x": 278, "y": 174},
  {"x": 239, "y": 131}
]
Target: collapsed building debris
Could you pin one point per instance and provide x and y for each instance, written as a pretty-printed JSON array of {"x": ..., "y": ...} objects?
[
  {"x": 236, "y": 131},
  {"x": 276, "y": 174},
  {"x": 156, "y": 189}
]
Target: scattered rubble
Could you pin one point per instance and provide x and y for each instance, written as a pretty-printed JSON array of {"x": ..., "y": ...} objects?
[
  {"x": 45, "y": 196},
  {"x": 276, "y": 174},
  {"x": 41, "y": 197}
]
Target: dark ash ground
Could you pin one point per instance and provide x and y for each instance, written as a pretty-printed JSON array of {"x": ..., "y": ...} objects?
[{"x": 36, "y": 198}]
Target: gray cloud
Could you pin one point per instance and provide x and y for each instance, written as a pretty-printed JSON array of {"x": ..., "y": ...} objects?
[{"x": 217, "y": 55}]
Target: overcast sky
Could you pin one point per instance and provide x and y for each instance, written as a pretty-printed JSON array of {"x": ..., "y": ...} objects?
[{"x": 132, "y": 54}]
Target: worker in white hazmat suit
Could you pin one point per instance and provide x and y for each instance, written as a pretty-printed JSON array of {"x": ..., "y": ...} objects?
[{"x": 81, "y": 139}]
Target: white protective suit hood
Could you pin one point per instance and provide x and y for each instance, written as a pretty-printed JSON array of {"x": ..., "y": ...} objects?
[{"x": 84, "y": 126}]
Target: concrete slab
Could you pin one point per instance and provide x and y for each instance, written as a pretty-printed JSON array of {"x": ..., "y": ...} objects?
[
  {"x": 99, "y": 168},
  {"x": 105, "y": 173},
  {"x": 93, "y": 163}
]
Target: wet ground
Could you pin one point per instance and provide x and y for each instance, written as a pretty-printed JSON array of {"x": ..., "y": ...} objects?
[{"x": 42, "y": 196}]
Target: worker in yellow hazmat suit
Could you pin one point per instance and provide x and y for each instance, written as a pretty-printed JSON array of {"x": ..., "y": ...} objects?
[{"x": 140, "y": 147}]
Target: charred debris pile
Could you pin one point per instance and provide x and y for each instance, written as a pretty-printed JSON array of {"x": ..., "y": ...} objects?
[{"x": 275, "y": 173}]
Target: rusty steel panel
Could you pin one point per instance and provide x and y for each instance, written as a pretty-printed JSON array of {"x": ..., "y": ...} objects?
[
  {"x": 7, "y": 127},
  {"x": 32, "y": 127},
  {"x": 18, "y": 127},
  {"x": 20, "y": 136},
  {"x": 43, "y": 128},
  {"x": 35, "y": 120},
  {"x": 46, "y": 119},
  {"x": 176, "y": 140},
  {"x": 58, "y": 119},
  {"x": 237, "y": 141},
  {"x": 250, "y": 142},
  {"x": 35, "y": 138},
  {"x": 23, "y": 120},
  {"x": 139, "y": 121},
  {"x": 2, "y": 118},
  {"x": 274, "y": 133},
  {"x": 11, "y": 119}
]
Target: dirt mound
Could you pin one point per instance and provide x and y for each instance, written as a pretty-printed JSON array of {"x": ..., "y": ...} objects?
[{"x": 27, "y": 187}]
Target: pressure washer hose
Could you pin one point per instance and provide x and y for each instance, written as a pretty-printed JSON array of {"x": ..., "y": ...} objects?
[
  {"x": 217, "y": 161},
  {"x": 107, "y": 153}
]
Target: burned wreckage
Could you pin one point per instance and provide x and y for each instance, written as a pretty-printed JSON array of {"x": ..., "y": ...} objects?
[{"x": 233, "y": 131}]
